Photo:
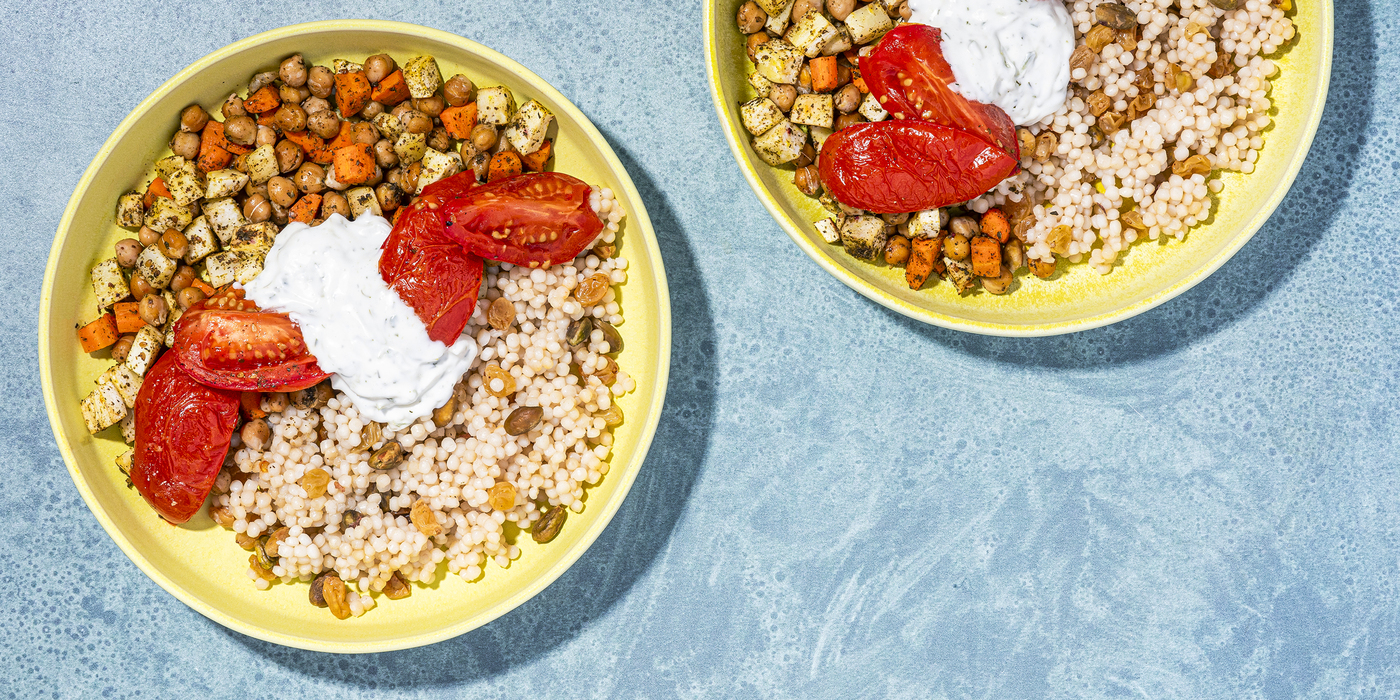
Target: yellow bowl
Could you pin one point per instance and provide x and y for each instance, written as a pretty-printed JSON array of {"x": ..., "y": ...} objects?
[
  {"x": 1077, "y": 298},
  {"x": 199, "y": 562}
]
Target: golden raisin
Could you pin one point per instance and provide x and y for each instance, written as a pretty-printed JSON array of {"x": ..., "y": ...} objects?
[
  {"x": 501, "y": 314},
  {"x": 244, "y": 541},
  {"x": 333, "y": 592},
  {"x": 422, "y": 516},
  {"x": 502, "y": 496},
  {"x": 396, "y": 588},
  {"x": 593, "y": 289},
  {"x": 1133, "y": 219},
  {"x": 315, "y": 482},
  {"x": 494, "y": 372},
  {"x": 608, "y": 374},
  {"x": 257, "y": 568},
  {"x": 1099, "y": 37},
  {"x": 1059, "y": 239},
  {"x": 1099, "y": 103},
  {"x": 612, "y": 417}
]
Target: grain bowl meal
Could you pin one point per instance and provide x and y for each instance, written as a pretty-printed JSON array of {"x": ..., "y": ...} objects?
[
  {"x": 969, "y": 141},
  {"x": 362, "y": 318}
]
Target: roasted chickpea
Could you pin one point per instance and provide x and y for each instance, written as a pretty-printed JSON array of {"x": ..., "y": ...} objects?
[
  {"x": 292, "y": 95},
  {"x": 122, "y": 347},
  {"x": 807, "y": 180},
  {"x": 756, "y": 40},
  {"x": 378, "y": 67},
  {"x": 804, "y": 78},
  {"x": 266, "y": 136},
  {"x": 384, "y": 153},
  {"x": 288, "y": 156},
  {"x": 188, "y": 297},
  {"x": 438, "y": 140},
  {"x": 281, "y": 191},
  {"x": 895, "y": 219},
  {"x": 751, "y": 17},
  {"x": 896, "y": 250},
  {"x": 153, "y": 310},
  {"x": 415, "y": 122},
  {"x": 458, "y": 90},
  {"x": 801, "y": 8},
  {"x": 840, "y": 9},
  {"x": 280, "y": 214},
  {"x": 335, "y": 203},
  {"x": 256, "y": 434},
  {"x": 293, "y": 71},
  {"x": 183, "y": 278},
  {"x": 241, "y": 130},
  {"x": 431, "y": 106},
  {"x": 389, "y": 195},
  {"x": 127, "y": 250},
  {"x": 324, "y": 124},
  {"x": 372, "y": 110},
  {"x": 847, "y": 99},
  {"x": 481, "y": 166},
  {"x": 321, "y": 81},
  {"x": 483, "y": 137},
  {"x": 807, "y": 157},
  {"x": 185, "y": 145},
  {"x": 905, "y": 13},
  {"x": 148, "y": 236},
  {"x": 410, "y": 177},
  {"x": 251, "y": 189},
  {"x": 364, "y": 132},
  {"x": 290, "y": 117},
  {"x": 140, "y": 287},
  {"x": 233, "y": 107},
  {"x": 173, "y": 244},
  {"x": 312, "y": 105},
  {"x": 845, "y": 120},
  {"x": 956, "y": 247},
  {"x": 193, "y": 119},
  {"x": 310, "y": 178},
  {"x": 783, "y": 96},
  {"x": 257, "y": 209},
  {"x": 843, "y": 75},
  {"x": 467, "y": 150},
  {"x": 402, "y": 108}
]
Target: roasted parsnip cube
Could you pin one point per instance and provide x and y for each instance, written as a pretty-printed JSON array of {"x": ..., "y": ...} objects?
[
  {"x": 828, "y": 230},
  {"x": 155, "y": 267},
  {"x": 202, "y": 241},
  {"x": 422, "y": 76},
  {"x": 125, "y": 380},
  {"x": 410, "y": 147},
  {"x": 840, "y": 43},
  {"x": 960, "y": 274},
  {"x": 225, "y": 217},
  {"x": 102, "y": 408},
  {"x": 870, "y": 109},
  {"x": 761, "y": 85},
  {"x": 262, "y": 164},
  {"x": 811, "y": 33},
  {"x": 436, "y": 166},
  {"x": 248, "y": 268},
  {"x": 341, "y": 65},
  {"x": 777, "y": 23},
  {"x": 759, "y": 115},
  {"x": 779, "y": 61},
  {"x": 925, "y": 224},
  {"x": 819, "y": 136},
  {"x": 389, "y": 125},
  {"x": 129, "y": 435},
  {"x": 864, "y": 236},
  {"x": 108, "y": 283},
  {"x": 362, "y": 199},
  {"x": 772, "y": 7},
  {"x": 144, "y": 350},
  {"x": 253, "y": 239},
  {"x": 528, "y": 127},
  {"x": 813, "y": 110},
  {"x": 780, "y": 144},
  {"x": 181, "y": 178},
  {"x": 219, "y": 268},
  {"x": 868, "y": 23},
  {"x": 166, "y": 213},
  {"x": 224, "y": 183},
  {"x": 169, "y": 333},
  {"x": 131, "y": 213},
  {"x": 495, "y": 105}
]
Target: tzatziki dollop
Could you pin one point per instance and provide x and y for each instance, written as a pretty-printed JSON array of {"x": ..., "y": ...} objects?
[
  {"x": 1010, "y": 53},
  {"x": 327, "y": 280}
]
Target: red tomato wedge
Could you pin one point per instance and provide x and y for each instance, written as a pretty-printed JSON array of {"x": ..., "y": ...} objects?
[
  {"x": 909, "y": 77},
  {"x": 900, "y": 166},
  {"x": 531, "y": 220},
  {"x": 227, "y": 343},
  {"x": 430, "y": 271},
  {"x": 183, "y": 430}
]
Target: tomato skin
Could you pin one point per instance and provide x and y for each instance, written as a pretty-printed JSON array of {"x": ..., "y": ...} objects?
[
  {"x": 912, "y": 52},
  {"x": 225, "y": 342},
  {"x": 531, "y": 220},
  {"x": 909, "y": 165},
  {"x": 430, "y": 271},
  {"x": 183, "y": 430}
]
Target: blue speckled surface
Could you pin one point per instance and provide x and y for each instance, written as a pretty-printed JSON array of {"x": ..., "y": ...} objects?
[{"x": 1200, "y": 502}]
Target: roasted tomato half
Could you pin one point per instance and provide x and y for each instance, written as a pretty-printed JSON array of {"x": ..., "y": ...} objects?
[
  {"x": 227, "y": 343},
  {"x": 531, "y": 220},
  {"x": 908, "y": 165},
  {"x": 182, "y": 435},
  {"x": 909, "y": 77},
  {"x": 430, "y": 271}
]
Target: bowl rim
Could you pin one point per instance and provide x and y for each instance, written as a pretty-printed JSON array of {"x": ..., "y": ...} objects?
[
  {"x": 599, "y": 521},
  {"x": 738, "y": 148}
]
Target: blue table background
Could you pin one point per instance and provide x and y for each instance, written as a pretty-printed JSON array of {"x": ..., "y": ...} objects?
[{"x": 1198, "y": 502}]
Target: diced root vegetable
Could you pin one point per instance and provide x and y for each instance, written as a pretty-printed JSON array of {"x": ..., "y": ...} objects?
[{"x": 98, "y": 334}]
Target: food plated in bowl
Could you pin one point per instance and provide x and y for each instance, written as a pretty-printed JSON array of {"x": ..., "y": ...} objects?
[
  {"x": 354, "y": 439},
  {"x": 876, "y": 117}
]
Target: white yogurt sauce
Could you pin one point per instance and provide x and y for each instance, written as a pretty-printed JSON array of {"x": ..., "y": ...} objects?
[
  {"x": 1010, "y": 53},
  {"x": 327, "y": 280}
]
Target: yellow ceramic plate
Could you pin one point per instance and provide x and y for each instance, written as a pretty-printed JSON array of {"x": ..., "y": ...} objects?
[
  {"x": 1077, "y": 298},
  {"x": 199, "y": 562}
]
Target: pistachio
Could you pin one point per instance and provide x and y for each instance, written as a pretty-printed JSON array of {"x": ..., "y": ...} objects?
[
  {"x": 312, "y": 397},
  {"x": 261, "y": 557},
  {"x": 579, "y": 331},
  {"x": 317, "y": 593},
  {"x": 351, "y": 518},
  {"x": 549, "y": 524},
  {"x": 388, "y": 456},
  {"x": 264, "y": 573},
  {"x": 1226, "y": 5},
  {"x": 610, "y": 334},
  {"x": 522, "y": 419},
  {"x": 396, "y": 588},
  {"x": 1115, "y": 16}
]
